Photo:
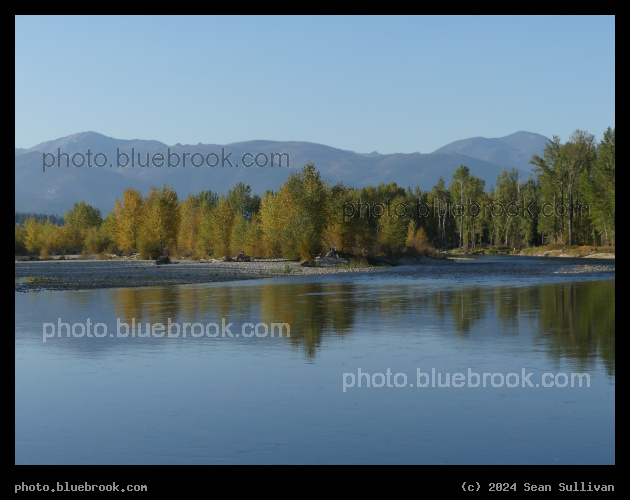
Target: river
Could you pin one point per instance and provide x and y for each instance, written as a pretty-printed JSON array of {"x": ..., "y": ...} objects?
[{"x": 495, "y": 360}]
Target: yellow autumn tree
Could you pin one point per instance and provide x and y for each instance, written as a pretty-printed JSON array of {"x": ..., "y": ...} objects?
[
  {"x": 128, "y": 220},
  {"x": 277, "y": 215},
  {"x": 194, "y": 210},
  {"x": 216, "y": 229},
  {"x": 158, "y": 233}
]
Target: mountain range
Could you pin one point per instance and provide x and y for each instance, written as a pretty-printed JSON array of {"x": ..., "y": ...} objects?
[{"x": 44, "y": 187}]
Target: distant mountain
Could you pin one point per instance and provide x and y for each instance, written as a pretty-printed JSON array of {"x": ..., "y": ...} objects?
[
  {"x": 54, "y": 190},
  {"x": 514, "y": 150},
  {"x": 96, "y": 142}
]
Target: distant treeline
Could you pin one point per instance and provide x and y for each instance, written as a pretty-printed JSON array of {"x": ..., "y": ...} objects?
[
  {"x": 21, "y": 217},
  {"x": 570, "y": 201}
]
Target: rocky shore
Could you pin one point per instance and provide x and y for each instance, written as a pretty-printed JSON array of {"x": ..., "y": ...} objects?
[{"x": 75, "y": 274}]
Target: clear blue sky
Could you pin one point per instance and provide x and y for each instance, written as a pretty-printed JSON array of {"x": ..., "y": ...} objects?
[{"x": 390, "y": 84}]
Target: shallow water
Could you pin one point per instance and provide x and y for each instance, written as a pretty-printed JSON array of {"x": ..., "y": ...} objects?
[{"x": 343, "y": 387}]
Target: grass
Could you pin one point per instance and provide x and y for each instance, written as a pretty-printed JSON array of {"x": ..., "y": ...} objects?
[
  {"x": 605, "y": 250},
  {"x": 559, "y": 248},
  {"x": 286, "y": 270},
  {"x": 356, "y": 264},
  {"x": 34, "y": 279}
]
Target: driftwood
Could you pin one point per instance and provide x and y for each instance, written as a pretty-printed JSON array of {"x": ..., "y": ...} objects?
[
  {"x": 332, "y": 253},
  {"x": 241, "y": 257}
]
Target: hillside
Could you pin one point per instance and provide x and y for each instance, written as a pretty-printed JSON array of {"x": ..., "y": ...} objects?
[{"x": 53, "y": 190}]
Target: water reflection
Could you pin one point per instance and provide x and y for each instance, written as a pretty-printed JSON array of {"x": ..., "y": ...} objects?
[
  {"x": 313, "y": 310},
  {"x": 574, "y": 320},
  {"x": 577, "y": 321},
  {"x": 219, "y": 400}
]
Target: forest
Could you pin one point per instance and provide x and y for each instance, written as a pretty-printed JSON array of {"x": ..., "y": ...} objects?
[{"x": 569, "y": 201}]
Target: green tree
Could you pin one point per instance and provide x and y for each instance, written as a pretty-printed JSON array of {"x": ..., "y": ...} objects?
[
  {"x": 441, "y": 201},
  {"x": 505, "y": 209},
  {"x": 474, "y": 209},
  {"x": 551, "y": 171},
  {"x": 460, "y": 179},
  {"x": 529, "y": 212},
  {"x": 393, "y": 227},
  {"x": 467, "y": 190},
  {"x": 83, "y": 216},
  {"x": 599, "y": 189},
  {"x": 80, "y": 221},
  {"x": 581, "y": 153},
  {"x": 242, "y": 201}
]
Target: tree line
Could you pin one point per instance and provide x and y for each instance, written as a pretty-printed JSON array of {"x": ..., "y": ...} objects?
[
  {"x": 569, "y": 201},
  {"x": 22, "y": 217}
]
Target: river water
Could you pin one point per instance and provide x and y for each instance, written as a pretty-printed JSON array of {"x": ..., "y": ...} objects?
[{"x": 496, "y": 360}]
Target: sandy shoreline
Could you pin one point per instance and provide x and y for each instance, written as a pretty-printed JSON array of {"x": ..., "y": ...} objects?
[
  {"x": 558, "y": 253},
  {"x": 600, "y": 256},
  {"x": 86, "y": 274}
]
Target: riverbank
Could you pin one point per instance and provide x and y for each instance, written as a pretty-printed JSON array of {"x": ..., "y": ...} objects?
[
  {"x": 560, "y": 253},
  {"x": 574, "y": 252},
  {"x": 80, "y": 274}
]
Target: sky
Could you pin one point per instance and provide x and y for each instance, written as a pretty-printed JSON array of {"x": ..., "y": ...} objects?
[{"x": 392, "y": 84}]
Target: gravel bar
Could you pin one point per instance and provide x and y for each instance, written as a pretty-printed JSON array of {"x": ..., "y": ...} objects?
[{"x": 85, "y": 274}]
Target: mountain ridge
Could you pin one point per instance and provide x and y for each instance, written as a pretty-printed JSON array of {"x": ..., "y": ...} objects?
[
  {"x": 55, "y": 189},
  {"x": 509, "y": 150}
]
